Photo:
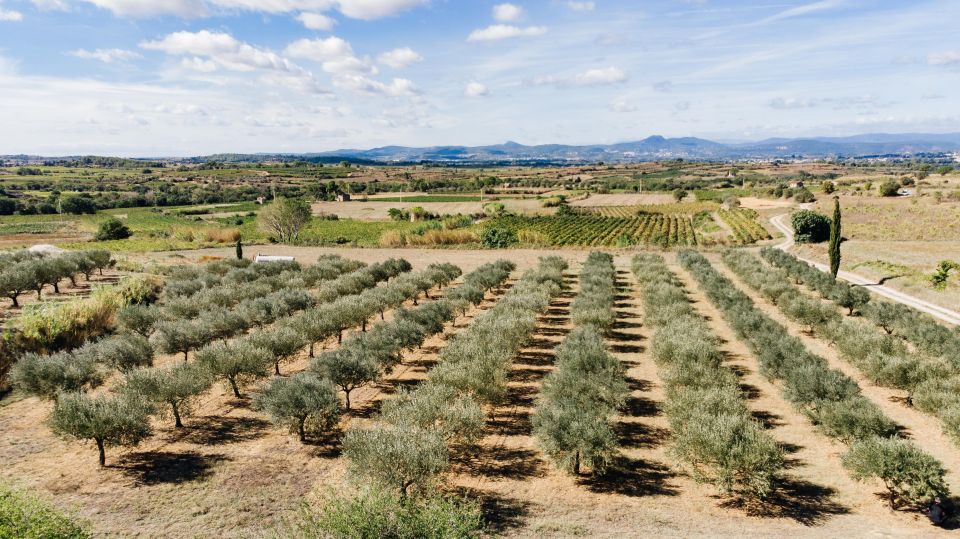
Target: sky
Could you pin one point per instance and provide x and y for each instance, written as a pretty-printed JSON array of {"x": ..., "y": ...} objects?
[{"x": 155, "y": 78}]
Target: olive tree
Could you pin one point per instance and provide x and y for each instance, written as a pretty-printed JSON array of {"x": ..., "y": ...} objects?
[
  {"x": 293, "y": 401},
  {"x": 400, "y": 458},
  {"x": 849, "y": 297},
  {"x": 16, "y": 280},
  {"x": 437, "y": 407},
  {"x": 574, "y": 433},
  {"x": 47, "y": 376},
  {"x": 284, "y": 218},
  {"x": 178, "y": 336},
  {"x": 176, "y": 387},
  {"x": 909, "y": 474},
  {"x": 283, "y": 343},
  {"x": 108, "y": 420},
  {"x": 348, "y": 368},
  {"x": 138, "y": 319},
  {"x": 237, "y": 364},
  {"x": 122, "y": 352}
]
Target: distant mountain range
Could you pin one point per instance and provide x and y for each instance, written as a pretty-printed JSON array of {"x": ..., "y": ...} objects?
[{"x": 649, "y": 149}]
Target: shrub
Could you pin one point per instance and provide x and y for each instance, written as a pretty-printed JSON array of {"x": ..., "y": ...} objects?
[
  {"x": 48, "y": 376},
  {"x": 292, "y": 401},
  {"x": 23, "y": 515},
  {"x": 138, "y": 319},
  {"x": 498, "y": 238},
  {"x": 889, "y": 188},
  {"x": 458, "y": 418},
  {"x": 804, "y": 196},
  {"x": 810, "y": 227},
  {"x": 237, "y": 364},
  {"x": 376, "y": 514},
  {"x": 112, "y": 229},
  {"x": 397, "y": 458},
  {"x": 909, "y": 474},
  {"x": 107, "y": 420},
  {"x": 122, "y": 352}
]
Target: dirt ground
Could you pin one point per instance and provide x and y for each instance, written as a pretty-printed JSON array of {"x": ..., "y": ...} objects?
[
  {"x": 373, "y": 210},
  {"x": 623, "y": 199},
  {"x": 230, "y": 473}
]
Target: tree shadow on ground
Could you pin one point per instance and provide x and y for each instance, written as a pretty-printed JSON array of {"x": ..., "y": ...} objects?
[
  {"x": 623, "y": 324},
  {"x": 641, "y": 407},
  {"x": 801, "y": 501},
  {"x": 499, "y": 513},
  {"x": 540, "y": 344},
  {"x": 626, "y": 348},
  {"x": 506, "y": 462},
  {"x": 161, "y": 467},
  {"x": 517, "y": 423},
  {"x": 216, "y": 430},
  {"x": 526, "y": 375},
  {"x": 767, "y": 419},
  {"x": 532, "y": 358},
  {"x": 325, "y": 444},
  {"x": 632, "y": 477},
  {"x": 639, "y": 436}
]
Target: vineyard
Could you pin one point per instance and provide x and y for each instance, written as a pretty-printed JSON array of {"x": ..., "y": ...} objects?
[
  {"x": 744, "y": 224},
  {"x": 390, "y": 398},
  {"x": 595, "y": 231}
]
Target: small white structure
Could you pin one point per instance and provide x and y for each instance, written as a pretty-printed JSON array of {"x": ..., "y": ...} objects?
[
  {"x": 46, "y": 248},
  {"x": 272, "y": 258}
]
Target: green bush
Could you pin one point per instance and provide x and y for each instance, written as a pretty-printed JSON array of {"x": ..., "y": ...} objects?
[
  {"x": 498, "y": 238},
  {"x": 810, "y": 227},
  {"x": 889, "y": 188},
  {"x": 909, "y": 474},
  {"x": 112, "y": 229},
  {"x": 23, "y": 515},
  {"x": 383, "y": 515}
]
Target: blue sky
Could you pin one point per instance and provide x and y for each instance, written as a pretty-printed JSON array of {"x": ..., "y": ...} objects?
[{"x": 190, "y": 77}]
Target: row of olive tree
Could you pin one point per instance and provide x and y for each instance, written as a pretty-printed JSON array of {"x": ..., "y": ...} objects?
[
  {"x": 831, "y": 400},
  {"x": 714, "y": 434},
  {"x": 25, "y": 271},
  {"x": 408, "y": 447},
  {"x": 594, "y": 303},
  {"x": 931, "y": 382}
]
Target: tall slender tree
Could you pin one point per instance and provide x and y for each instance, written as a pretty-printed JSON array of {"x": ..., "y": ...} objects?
[{"x": 835, "y": 231}]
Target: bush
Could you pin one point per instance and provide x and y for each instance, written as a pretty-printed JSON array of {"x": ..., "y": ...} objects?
[
  {"x": 375, "y": 514},
  {"x": 889, "y": 188},
  {"x": 175, "y": 386},
  {"x": 810, "y": 227},
  {"x": 804, "y": 196},
  {"x": 25, "y": 516},
  {"x": 112, "y": 229},
  {"x": 909, "y": 474},
  {"x": 498, "y": 238},
  {"x": 238, "y": 364},
  {"x": 47, "y": 376},
  {"x": 400, "y": 459}
]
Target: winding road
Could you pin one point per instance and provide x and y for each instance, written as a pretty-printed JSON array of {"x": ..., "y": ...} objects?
[{"x": 947, "y": 315}]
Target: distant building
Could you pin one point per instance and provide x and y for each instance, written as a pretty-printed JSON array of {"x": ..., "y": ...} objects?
[
  {"x": 259, "y": 259},
  {"x": 343, "y": 197},
  {"x": 260, "y": 200}
]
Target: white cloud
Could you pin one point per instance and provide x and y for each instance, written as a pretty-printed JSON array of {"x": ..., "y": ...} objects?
[
  {"x": 334, "y": 54},
  {"x": 274, "y": 6},
  {"x": 497, "y": 32},
  {"x": 198, "y": 64},
  {"x": 51, "y": 5},
  {"x": 106, "y": 55},
  {"x": 9, "y": 15},
  {"x": 944, "y": 58},
  {"x": 399, "y": 58},
  {"x": 476, "y": 89},
  {"x": 376, "y": 9},
  {"x": 622, "y": 105},
  {"x": 316, "y": 21},
  {"x": 599, "y": 76},
  {"x": 785, "y": 103},
  {"x": 365, "y": 85},
  {"x": 581, "y": 6},
  {"x": 507, "y": 12},
  {"x": 151, "y": 8}
]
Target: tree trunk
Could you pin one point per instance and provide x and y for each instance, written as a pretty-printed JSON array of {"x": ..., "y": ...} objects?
[
  {"x": 56, "y": 288},
  {"x": 363, "y": 326},
  {"x": 276, "y": 366},
  {"x": 15, "y": 302},
  {"x": 176, "y": 416},
  {"x": 302, "y": 430},
  {"x": 103, "y": 454},
  {"x": 340, "y": 337},
  {"x": 186, "y": 355},
  {"x": 381, "y": 315},
  {"x": 576, "y": 463},
  {"x": 346, "y": 392},
  {"x": 39, "y": 290},
  {"x": 236, "y": 390},
  {"x": 311, "y": 349}
]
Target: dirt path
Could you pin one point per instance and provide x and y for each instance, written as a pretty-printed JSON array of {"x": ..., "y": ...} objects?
[
  {"x": 923, "y": 429},
  {"x": 942, "y": 313},
  {"x": 817, "y": 489}
]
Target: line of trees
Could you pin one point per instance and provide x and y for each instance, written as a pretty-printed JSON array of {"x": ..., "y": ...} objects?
[
  {"x": 714, "y": 433},
  {"x": 408, "y": 447},
  {"x": 25, "y": 271},
  {"x": 594, "y": 303},
  {"x": 830, "y": 399}
]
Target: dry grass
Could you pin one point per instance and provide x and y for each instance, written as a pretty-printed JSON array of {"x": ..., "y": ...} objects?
[{"x": 896, "y": 219}]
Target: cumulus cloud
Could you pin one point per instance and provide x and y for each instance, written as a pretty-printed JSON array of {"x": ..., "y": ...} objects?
[
  {"x": 106, "y": 55},
  {"x": 599, "y": 76},
  {"x": 365, "y": 85},
  {"x": 316, "y": 21},
  {"x": 944, "y": 58},
  {"x": 399, "y": 58},
  {"x": 507, "y": 12},
  {"x": 334, "y": 54},
  {"x": 151, "y": 8},
  {"x": 476, "y": 89},
  {"x": 581, "y": 6},
  {"x": 837, "y": 103},
  {"x": 356, "y": 9},
  {"x": 498, "y": 32},
  {"x": 9, "y": 15},
  {"x": 376, "y": 9},
  {"x": 622, "y": 105}
]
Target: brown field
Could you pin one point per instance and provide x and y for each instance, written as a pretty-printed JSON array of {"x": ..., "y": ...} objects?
[
  {"x": 230, "y": 473},
  {"x": 896, "y": 219},
  {"x": 623, "y": 199},
  {"x": 373, "y": 210}
]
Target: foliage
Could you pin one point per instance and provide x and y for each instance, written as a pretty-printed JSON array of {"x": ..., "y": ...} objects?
[
  {"x": 376, "y": 514},
  {"x": 293, "y": 401},
  {"x": 284, "y": 218},
  {"x": 396, "y": 458},
  {"x": 810, "y": 226},
  {"x": 889, "y": 188},
  {"x": 107, "y": 420},
  {"x": 940, "y": 276},
  {"x": 909, "y": 475},
  {"x": 47, "y": 376},
  {"x": 498, "y": 238},
  {"x": 112, "y": 229},
  {"x": 744, "y": 224},
  {"x": 23, "y": 515},
  {"x": 174, "y": 387},
  {"x": 239, "y": 364},
  {"x": 835, "y": 238},
  {"x": 595, "y": 230}
]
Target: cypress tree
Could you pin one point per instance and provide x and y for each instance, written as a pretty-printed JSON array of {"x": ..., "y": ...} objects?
[
  {"x": 239, "y": 250},
  {"x": 834, "y": 250}
]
